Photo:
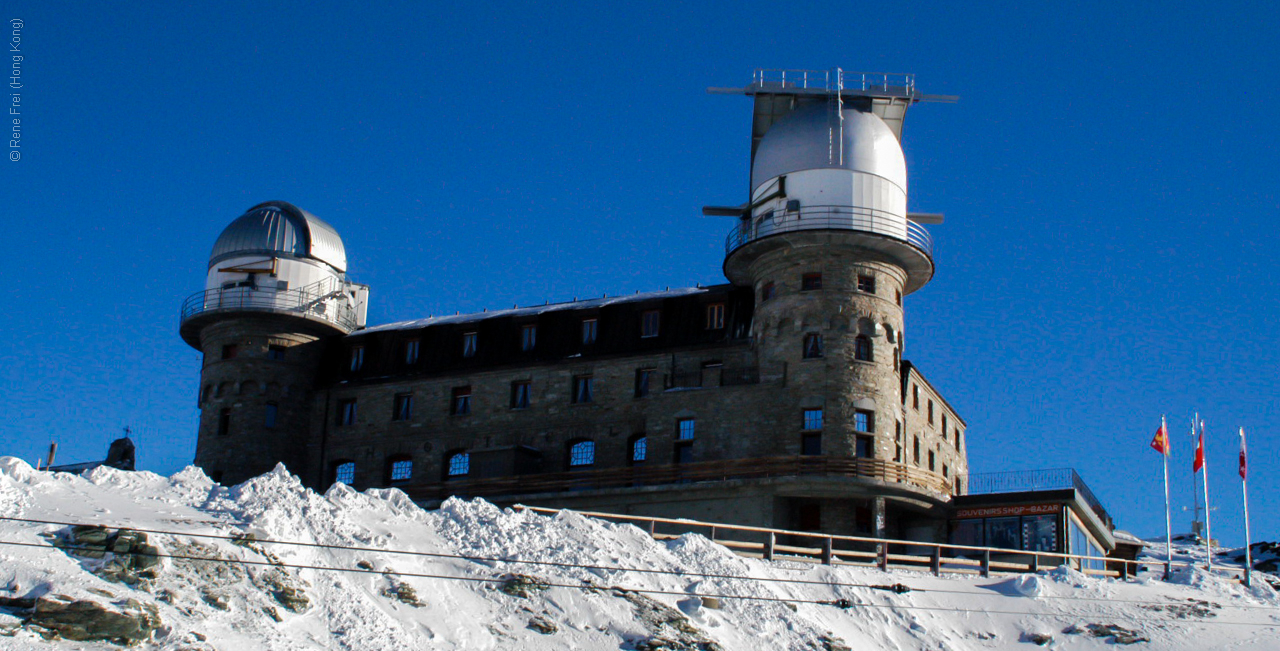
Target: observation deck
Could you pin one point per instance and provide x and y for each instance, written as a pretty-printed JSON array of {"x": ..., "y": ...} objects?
[{"x": 328, "y": 302}]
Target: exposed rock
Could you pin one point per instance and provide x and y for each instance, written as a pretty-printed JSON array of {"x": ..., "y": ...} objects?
[
  {"x": 833, "y": 643},
  {"x": 522, "y": 585},
  {"x": 403, "y": 592},
  {"x": 1119, "y": 634},
  {"x": 1038, "y": 639},
  {"x": 123, "y": 622},
  {"x": 669, "y": 630},
  {"x": 281, "y": 588},
  {"x": 128, "y": 557},
  {"x": 542, "y": 625}
]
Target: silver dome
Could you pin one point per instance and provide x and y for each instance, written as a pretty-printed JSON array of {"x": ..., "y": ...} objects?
[
  {"x": 279, "y": 228},
  {"x": 802, "y": 141}
]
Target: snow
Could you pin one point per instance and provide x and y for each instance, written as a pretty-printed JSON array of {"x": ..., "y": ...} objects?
[{"x": 457, "y": 560}]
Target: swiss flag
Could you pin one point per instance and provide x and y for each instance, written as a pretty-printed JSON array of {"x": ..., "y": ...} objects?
[
  {"x": 1161, "y": 441},
  {"x": 1199, "y": 462},
  {"x": 1244, "y": 464}
]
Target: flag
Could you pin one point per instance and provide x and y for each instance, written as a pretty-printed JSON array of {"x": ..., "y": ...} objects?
[
  {"x": 1244, "y": 463},
  {"x": 1199, "y": 462},
  {"x": 1161, "y": 441}
]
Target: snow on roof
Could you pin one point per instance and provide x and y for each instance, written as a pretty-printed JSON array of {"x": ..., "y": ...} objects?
[
  {"x": 538, "y": 309},
  {"x": 1124, "y": 536}
]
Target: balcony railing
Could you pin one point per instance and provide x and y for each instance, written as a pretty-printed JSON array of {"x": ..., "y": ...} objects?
[
  {"x": 706, "y": 471},
  {"x": 833, "y": 80},
  {"x": 313, "y": 301},
  {"x": 1018, "y": 481},
  {"x": 829, "y": 218}
]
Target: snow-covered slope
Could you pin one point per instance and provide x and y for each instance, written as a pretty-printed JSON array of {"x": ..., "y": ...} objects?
[{"x": 219, "y": 593}]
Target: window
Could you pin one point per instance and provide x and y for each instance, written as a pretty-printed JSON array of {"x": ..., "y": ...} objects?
[
  {"x": 915, "y": 396},
  {"x": 269, "y": 415},
  {"x": 347, "y": 412},
  {"x": 344, "y": 472},
  {"x": 898, "y": 295},
  {"x": 685, "y": 429},
  {"x": 768, "y": 291},
  {"x": 944, "y": 427},
  {"x": 457, "y": 464},
  {"x": 224, "y": 421},
  {"x": 810, "y": 282},
  {"x": 930, "y": 460},
  {"x": 643, "y": 377},
  {"x": 590, "y": 330},
  {"x": 957, "y": 438},
  {"x": 649, "y": 321},
  {"x": 867, "y": 284},
  {"x": 582, "y": 388},
  {"x": 402, "y": 408},
  {"x": 520, "y": 394},
  {"x": 528, "y": 337},
  {"x": 715, "y": 316},
  {"x": 862, "y": 348},
  {"x": 946, "y": 472},
  {"x": 469, "y": 344},
  {"x": 582, "y": 454},
  {"x": 864, "y": 447},
  {"x": 811, "y": 443},
  {"x": 813, "y": 419},
  {"x": 864, "y": 421},
  {"x": 931, "y": 412},
  {"x": 275, "y": 351},
  {"x": 812, "y": 346},
  {"x": 639, "y": 448},
  {"x": 399, "y": 469},
  {"x": 411, "y": 352},
  {"x": 915, "y": 451},
  {"x": 357, "y": 358},
  {"x": 460, "y": 403},
  {"x": 229, "y": 351}
]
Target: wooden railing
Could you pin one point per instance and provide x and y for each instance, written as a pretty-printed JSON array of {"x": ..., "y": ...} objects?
[
  {"x": 884, "y": 553},
  {"x": 655, "y": 475}
]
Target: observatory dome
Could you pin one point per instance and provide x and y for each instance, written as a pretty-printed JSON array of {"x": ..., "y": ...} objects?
[
  {"x": 281, "y": 229},
  {"x": 801, "y": 141}
]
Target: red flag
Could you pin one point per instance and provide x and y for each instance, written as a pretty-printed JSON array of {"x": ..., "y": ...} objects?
[
  {"x": 1199, "y": 462},
  {"x": 1161, "y": 441},
  {"x": 1244, "y": 464}
]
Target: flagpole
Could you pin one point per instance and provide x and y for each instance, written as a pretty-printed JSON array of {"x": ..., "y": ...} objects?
[
  {"x": 1168, "y": 521},
  {"x": 1244, "y": 487},
  {"x": 1208, "y": 530},
  {"x": 1195, "y": 480}
]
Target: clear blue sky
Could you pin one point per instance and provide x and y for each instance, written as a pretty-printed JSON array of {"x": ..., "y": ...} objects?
[{"x": 1109, "y": 179}]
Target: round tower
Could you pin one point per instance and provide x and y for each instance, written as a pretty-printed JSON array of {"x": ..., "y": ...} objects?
[
  {"x": 828, "y": 246},
  {"x": 275, "y": 291}
]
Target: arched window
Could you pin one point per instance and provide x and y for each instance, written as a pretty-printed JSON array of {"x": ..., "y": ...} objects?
[
  {"x": 582, "y": 453},
  {"x": 399, "y": 468},
  {"x": 457, "y": 464},
  {"x": 862, "y": 348},
  {"x": 344, "y": 471},
  {"x": 639, "y": 449}
]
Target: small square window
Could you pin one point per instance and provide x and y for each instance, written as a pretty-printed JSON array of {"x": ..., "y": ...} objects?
[
  {"x": 457, "y": 464},
  {"x": 686, "y": 428},
  {"x": 715, "y": 316},
  {"x": 411, "y": 352},
  {"x": 649, "y": 322},
  {"x": 347, "y": 412},
  {"x": 639, "y": 448},
  {"x": 275, "y": 351},
  {"x": 812, "y": 346},
  {"x": 401, "y": 470},
  {"x": 644, "y": 377},
  {"x": 344, "y": 472},
  {"x": 230, "y": 351},
  {"x": 520, "y": 394},
  {"x": 812, "y": 419},
  {"x": 864, "y": 421},
  {"x": 582, "y": 453},
  {"x": 357, "y": 358},
  {"x": 583, "y": 386},
  {"x": 460, "y": 404},
  {"x": 864, "y": 447},
  {"x": 590, "y": 330},
  {"x": 402, "y": 408},
  {"x": 767, "y": 292},
  {"x": 269, "y": 415},
  {"x": 810, "y": 282},
  {"x": 867, "y": 284},
  {"x": 469, "y": 344},
  {"x": 811, "y": 444},
  {"x": 528, "y": 337}
]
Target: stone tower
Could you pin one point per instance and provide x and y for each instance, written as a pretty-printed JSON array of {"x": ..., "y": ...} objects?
[
  {"x": 828, "y": 246},
  {"x": 276, "y": 286}
]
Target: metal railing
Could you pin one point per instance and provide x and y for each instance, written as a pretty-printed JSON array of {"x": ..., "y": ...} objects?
[
  {"x": 1017, "y": 481},
  {"x": 831, "y": 218},
  {"x": 713, "y": 377},
  {"x": 837, "y": 79},
  {"x": 646, "y": 475},
  {"x": 312, "y": 301}
]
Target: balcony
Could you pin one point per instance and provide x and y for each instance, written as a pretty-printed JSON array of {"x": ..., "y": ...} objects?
[
  {"x": 325, "y": 301},
  {"x": 846, "y": 218}
]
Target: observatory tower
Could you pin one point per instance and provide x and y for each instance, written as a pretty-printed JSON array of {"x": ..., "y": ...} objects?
[{"x": 276, "y": 286}]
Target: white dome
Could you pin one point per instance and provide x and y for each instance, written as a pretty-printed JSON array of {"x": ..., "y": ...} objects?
[
  {"x": 278, "y": 228},
  {"x": 801, "y": 141}
]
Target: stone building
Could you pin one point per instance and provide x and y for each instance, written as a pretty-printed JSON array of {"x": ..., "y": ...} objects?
[{"x": 781, "y": 398}]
